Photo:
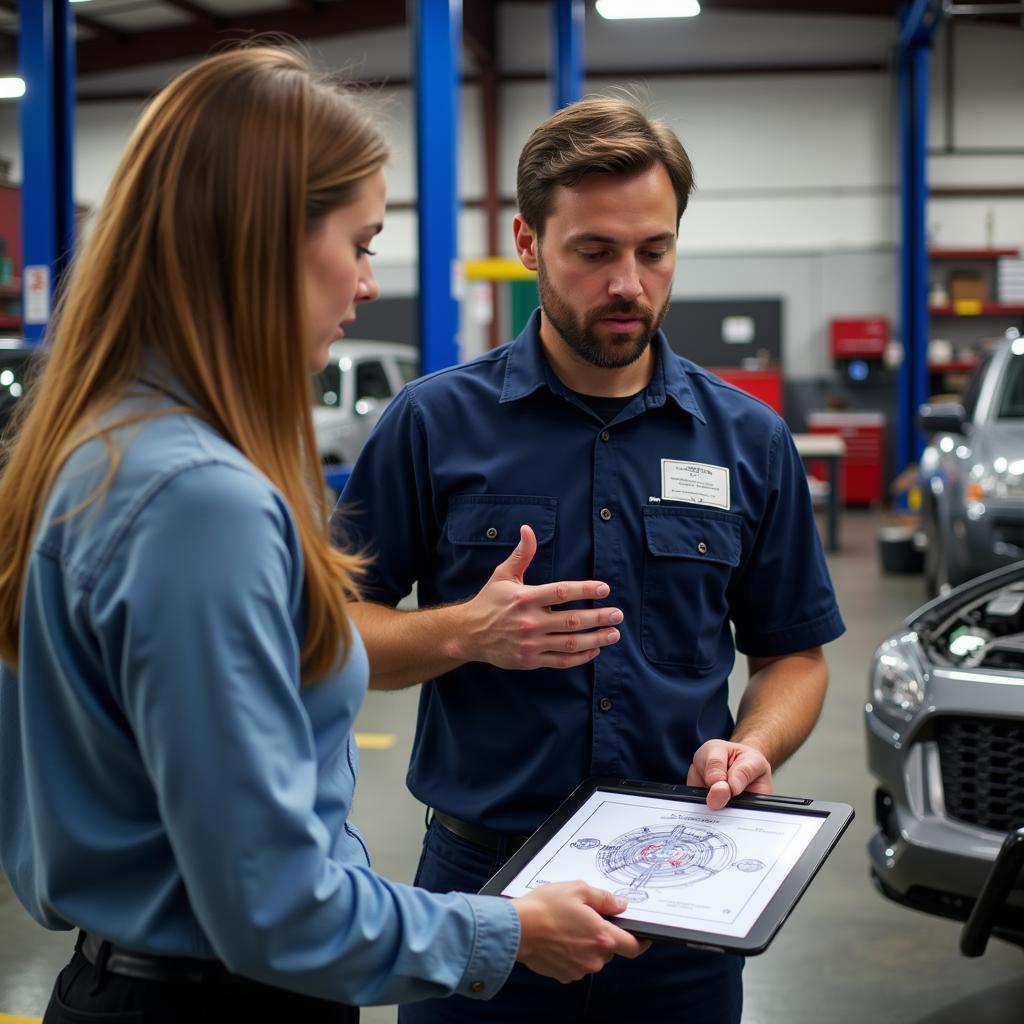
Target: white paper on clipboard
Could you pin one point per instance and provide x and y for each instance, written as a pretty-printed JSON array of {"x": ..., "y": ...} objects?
[{"x": 677, "y": 864}]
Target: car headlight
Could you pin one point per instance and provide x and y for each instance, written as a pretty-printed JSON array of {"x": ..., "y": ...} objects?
[
  {"x": 897, "y": 679},
  {"x": 1003, "y": 479}
]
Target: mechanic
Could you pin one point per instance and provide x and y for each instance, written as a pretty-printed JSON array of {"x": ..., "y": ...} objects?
[{"x": 637, "y": 509}]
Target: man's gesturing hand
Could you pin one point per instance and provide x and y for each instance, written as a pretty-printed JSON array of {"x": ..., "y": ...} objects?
[
  {"x": 511, "y": 625},
  {"x": 564, "y": 934},
  {"x": 728, "y": 769}
]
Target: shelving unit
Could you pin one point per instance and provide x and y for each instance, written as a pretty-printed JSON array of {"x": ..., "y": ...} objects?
[
  {"x": 967, "y": 308},
  {"x": 958, "y": 317},
  {"x": 970, "y": 254},
  {"x": 954, "y": 366},
  {"x": 983, "y": 263}
]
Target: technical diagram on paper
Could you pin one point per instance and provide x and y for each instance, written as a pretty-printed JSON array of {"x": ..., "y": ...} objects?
[{"x": 676, "y": 863}]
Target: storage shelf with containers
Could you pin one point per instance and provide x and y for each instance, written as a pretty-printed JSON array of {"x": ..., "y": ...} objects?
[{"x": 975, "y": 294}]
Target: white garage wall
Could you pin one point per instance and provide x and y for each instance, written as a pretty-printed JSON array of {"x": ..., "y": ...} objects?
[
  {"x": 987, "y": 113},
  {"x": 783, "y": 162},
  {"x": 796, "y": 174}
]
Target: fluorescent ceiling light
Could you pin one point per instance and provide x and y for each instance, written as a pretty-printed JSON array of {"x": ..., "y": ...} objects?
[
  {"x": 616, "y": 9},
  {"x": 11, "y": 88}
]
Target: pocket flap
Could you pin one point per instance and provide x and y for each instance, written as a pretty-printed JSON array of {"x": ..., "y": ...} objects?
[
  {"x": 703, "y": 535},
  {"x": 493, "y": 520}
]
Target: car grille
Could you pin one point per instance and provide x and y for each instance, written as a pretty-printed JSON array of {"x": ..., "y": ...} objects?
[{"x": 983, "y": 770}]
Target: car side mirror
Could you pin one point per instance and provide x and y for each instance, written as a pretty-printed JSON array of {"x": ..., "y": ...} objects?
[{"x": 942, "y": 418}]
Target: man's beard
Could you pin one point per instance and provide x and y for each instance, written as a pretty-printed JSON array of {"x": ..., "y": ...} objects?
[{"x": 581, "y": 337}]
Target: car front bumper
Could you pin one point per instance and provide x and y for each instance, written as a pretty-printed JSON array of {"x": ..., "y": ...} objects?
[{"x": 924, "y": 852}]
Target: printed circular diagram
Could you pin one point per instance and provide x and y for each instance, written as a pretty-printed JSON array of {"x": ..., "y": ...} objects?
[
  {"x": 655, "y": 857},
  {"x": 585, "y": 844},
  {"x": 750, "y": 865}
]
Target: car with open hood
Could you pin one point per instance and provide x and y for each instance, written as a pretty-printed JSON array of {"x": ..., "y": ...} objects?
[{"x": 945, "y": 738}]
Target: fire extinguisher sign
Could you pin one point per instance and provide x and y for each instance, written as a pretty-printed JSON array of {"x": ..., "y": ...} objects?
[{"x": 37, "y": 294}]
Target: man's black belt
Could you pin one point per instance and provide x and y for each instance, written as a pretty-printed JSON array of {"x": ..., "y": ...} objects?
[
  {"x": 505, "y": 843},
  {"x": 174, "y": 970}
]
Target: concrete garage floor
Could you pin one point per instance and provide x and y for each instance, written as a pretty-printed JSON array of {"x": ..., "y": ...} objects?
[{"x": 846, "y": 955}]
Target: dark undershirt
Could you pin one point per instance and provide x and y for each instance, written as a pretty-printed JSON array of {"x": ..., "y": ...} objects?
[{"x": 606, "y": 408}]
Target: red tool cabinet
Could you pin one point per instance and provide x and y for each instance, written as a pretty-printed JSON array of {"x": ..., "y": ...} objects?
[{"x": 863, "y": 469}]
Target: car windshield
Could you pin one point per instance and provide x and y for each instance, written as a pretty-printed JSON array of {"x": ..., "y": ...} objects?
[
  {"x": 327, "y": 386},
  {"x": 1010, "y": 405},
  {"x": 408, "y": 369}
]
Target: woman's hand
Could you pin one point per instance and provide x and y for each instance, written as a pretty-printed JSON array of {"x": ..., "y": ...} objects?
[{"x": 564, "y": 935}]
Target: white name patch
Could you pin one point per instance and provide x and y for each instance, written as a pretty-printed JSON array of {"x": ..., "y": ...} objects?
[{"x": 695, "y": 482}]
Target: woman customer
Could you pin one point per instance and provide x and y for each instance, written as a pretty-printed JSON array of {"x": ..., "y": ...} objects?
[{"x": 176, "y": 757}]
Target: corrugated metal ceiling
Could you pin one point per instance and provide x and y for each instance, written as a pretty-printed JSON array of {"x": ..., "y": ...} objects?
[{"x": 116, "y": 34}]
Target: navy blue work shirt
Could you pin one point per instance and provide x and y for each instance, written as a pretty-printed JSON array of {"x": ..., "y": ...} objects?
[{"x": 691, "y": 504}]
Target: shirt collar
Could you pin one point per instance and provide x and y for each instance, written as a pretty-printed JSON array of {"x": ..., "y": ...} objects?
[{"x": 528, "y": 369}]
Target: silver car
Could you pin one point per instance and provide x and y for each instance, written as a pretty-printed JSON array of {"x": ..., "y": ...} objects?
[
  {"x": 351, "y": 392},
  {"x": 945, "y": 731},
  {"x": 17, "y": 364},
  {"x": 972, "y": 472}
]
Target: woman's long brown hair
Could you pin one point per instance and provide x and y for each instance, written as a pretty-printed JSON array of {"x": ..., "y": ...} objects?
[{"x": 196, "y": 262}]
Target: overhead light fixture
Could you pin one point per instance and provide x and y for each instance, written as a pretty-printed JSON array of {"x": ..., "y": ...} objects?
[
  {"x": 11, "y": 88},
  {"x": 622, "y": 9}
]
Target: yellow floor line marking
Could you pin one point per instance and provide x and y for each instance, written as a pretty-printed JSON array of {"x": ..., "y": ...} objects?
[
  {"x": 366, "y": 741},
  {"x": 8, "y": 1018}
]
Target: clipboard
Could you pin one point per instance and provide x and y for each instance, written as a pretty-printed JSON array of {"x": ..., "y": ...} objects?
[{"x": 717, "y": 880}]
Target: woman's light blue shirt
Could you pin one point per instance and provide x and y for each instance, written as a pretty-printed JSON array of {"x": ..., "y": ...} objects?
[{"x": 165, "y": 781}]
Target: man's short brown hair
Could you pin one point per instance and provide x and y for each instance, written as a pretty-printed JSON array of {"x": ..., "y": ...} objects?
[{"x": 604, "y": 135}]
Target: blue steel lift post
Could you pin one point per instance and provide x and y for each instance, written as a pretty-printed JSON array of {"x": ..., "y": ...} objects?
[
  {"x": 437, "y": 46},
  {"x": 917, "y": 29},
  {"x": 567, "y": 51},
  {"x": 437, "y": 35},
  {"x": 46, "y": 57}
]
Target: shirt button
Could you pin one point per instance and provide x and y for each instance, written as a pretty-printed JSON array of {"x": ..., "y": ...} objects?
[
  {"x": 491, "y": 533},
  {"x": 605, "y": 435},
  {"x": 477, "y": 986},
  {"x": 604, "y": 704},
  {"x": 702, "y": 548},
  {"x": 606, "y": 514}
]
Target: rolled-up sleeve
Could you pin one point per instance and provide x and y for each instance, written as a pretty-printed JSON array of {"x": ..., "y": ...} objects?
[{"x": 196, "y": 615}]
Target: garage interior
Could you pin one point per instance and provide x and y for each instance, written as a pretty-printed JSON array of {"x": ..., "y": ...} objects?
[{"x": 851, "y": 249}]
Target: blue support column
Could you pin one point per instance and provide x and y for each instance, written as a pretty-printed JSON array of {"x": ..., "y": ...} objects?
[
  {"x": 46, "y": 57},
  {"x": 916, "y": 34},
  {"x": 567, "y": 18},
  {"x": 437, "y": 46}
]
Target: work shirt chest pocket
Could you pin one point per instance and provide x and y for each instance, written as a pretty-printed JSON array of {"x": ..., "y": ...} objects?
[
  {"x": 483, "y": 529},
  {"x": 688, "y": 561}
]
